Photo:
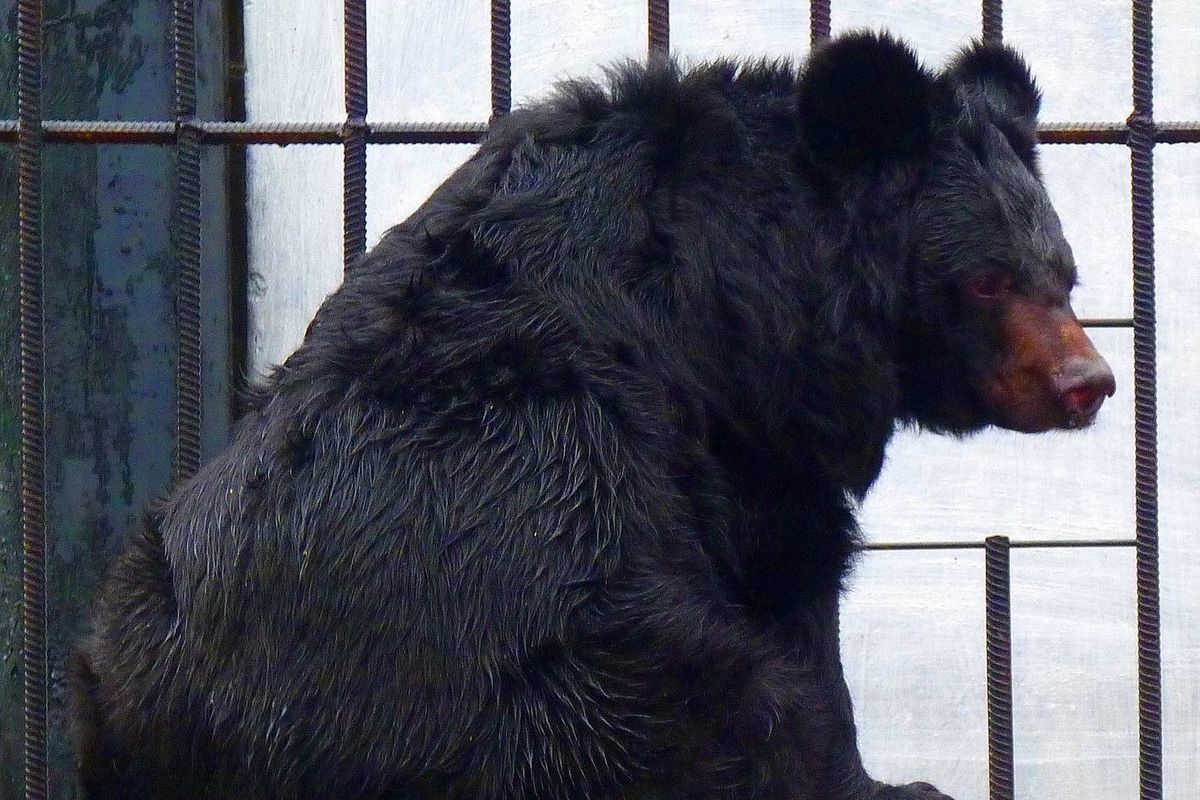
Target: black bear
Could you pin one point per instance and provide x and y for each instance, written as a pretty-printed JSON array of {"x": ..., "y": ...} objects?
[{"x": 555, "y": 499}]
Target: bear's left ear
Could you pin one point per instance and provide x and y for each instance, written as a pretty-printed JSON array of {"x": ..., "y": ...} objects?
[
  {"x": 864, "y": 101},
  {"x": 1001, "y": 75}
]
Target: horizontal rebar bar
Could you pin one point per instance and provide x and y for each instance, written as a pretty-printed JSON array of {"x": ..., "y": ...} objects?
[
  {"x": 278, "y": 133},
  {"x": 61, "y": 131},
  {"x": 1016, "y": 544}
]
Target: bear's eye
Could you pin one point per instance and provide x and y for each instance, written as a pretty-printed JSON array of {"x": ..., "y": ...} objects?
[{"x": 989, "y": 286}]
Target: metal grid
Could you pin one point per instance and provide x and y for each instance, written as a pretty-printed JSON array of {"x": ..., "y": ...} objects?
[{"x": 187, "y": 134}]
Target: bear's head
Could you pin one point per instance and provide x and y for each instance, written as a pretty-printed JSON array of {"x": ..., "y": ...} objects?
[{"x": 986, "y": 333}]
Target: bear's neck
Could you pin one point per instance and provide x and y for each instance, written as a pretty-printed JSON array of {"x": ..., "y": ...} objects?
[{"x": 803, "y": 367}]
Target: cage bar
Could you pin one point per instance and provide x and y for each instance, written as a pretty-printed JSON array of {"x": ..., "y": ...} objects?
[
  {"x": 354, "y": 152},
  {"x": 1141, "y": 147},
  {"x": 188, "y": 392},
  {"x": 61, "y": 131},
  {"x": 993, "y": 21},
  {"x": 1014, "y": 544},
  {"x": 501, "y": 68},
  {"x": 998, "y": 633},
  {"x": 819, "y": 21},
  {"x": 659, "y": 44},
  {"x": 33, "y": 409}
]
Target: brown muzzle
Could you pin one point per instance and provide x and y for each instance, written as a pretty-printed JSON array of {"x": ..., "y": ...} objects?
[{"x": 1050, "y": 375}]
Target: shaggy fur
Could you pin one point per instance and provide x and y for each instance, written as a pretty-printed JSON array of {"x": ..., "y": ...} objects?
[{"x": 555, "y": 500}]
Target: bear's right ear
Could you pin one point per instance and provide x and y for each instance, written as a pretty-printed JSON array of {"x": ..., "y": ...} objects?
[
  {"x": 1000, "y": 73},
  {"x": 864, "y": 101}
]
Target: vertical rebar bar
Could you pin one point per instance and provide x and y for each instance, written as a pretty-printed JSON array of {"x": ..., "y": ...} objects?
[
  {"x": 997, "y": 593},
  {"x": 33, "y": 416},
  {"x": 501, "y": 57},
  {"x": 188, "y": 393},
  {"x": 660, "y": 28},
  {"x": 354, "y": 148},
  {"x": 993, "y": 21},
  {"x": 1141, "y": 147},
  {"x": 819, "y": 21}
]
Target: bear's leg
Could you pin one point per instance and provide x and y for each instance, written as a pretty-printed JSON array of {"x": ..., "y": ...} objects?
[
  {"x": 841, "y": 768},
  {"x": 98, "y": 768},
  {"x": 773, "y": 711}
]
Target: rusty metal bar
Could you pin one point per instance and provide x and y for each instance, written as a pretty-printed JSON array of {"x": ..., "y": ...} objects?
[
  {"x": 247, "y": 133},
  {"x": 997, "y": 600},
  {"x": 819, "y": 21},
  {"x": 1107, "y": 322},
  {"x": 354, "y": 152},
  {"x": 501, "y": 57},
  {"x": 285, "y": 133},
  {"x": 1141, "y": 148},
  {"x": 1018, "y": 544},
  {"x": 993, "y": 21},
  {"x": 33, "y": 413},
  {"x": 1186, "y": 132},
  {"x": 188, "y": 366},
  {"x": 659, "y": 44}
]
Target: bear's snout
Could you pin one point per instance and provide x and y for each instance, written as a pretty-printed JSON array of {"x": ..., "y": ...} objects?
[
  {"x": 1082, "y": 386},
  {"x": 1051, "y": 375}
]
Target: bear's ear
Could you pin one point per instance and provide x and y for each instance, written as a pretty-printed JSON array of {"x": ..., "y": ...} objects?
[
  {"x": 864, "y": 100},
  {"x": 1002, "y": 76}
]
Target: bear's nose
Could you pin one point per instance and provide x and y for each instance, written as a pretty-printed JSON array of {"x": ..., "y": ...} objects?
[{"x": 1082, "y": 385}]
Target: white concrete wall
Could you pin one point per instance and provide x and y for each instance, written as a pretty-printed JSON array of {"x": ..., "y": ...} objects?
[{"x": 913, "y": 622}]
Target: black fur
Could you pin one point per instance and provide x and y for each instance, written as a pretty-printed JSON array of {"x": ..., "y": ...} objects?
[
  {"x": 555, "y": 500},
  {"x": 864, "y": 106}
]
